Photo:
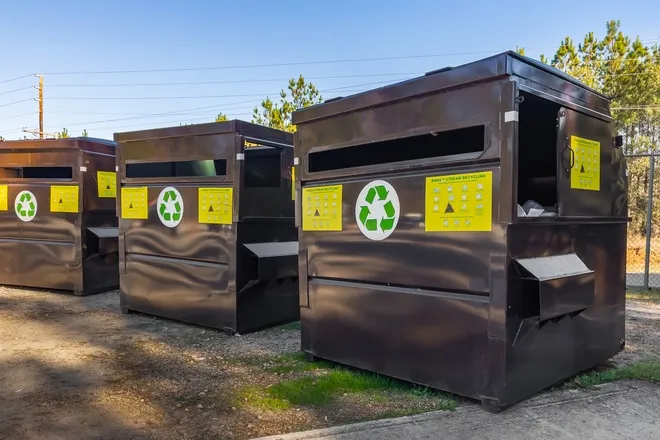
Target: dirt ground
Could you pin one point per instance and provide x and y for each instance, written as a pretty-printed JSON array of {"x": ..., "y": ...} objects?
[{"x": 77, "y": 368}]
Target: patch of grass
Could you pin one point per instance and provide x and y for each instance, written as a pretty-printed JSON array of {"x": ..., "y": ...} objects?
[
  {"x": 290, "y": 326},
  {"x": 329, "y": 382},
  {"x": 647, "y": 370},
  {"x": 295, "y": 363},
  {"x": 652, "y": 295},
  {"x": 258, "y": 399}
]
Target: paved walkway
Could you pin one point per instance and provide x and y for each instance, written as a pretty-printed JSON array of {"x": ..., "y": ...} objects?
[{"x": 624, "y": 410}]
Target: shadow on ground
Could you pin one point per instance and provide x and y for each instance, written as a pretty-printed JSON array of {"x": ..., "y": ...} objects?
[{"x": 77, "y": 368}]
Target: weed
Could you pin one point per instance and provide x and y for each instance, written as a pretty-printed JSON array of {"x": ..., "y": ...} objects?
[
  {"x": 647, "y": 370},
  {"x": 652, "y": 295}
]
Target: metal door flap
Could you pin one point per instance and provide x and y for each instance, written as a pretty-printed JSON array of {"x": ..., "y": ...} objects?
[
  {"x": 277, "y": 249},
  {"x": 553, "y": 267},
  {"x": 563, "y": 283},
  {"x": 105, "y": 232}
]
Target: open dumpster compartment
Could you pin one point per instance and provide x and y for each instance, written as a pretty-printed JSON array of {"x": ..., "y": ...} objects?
[
  {"x": 207, "y": 233},
  {"x": 465, "y": 230},
  {"x": 58, "y": 227}
]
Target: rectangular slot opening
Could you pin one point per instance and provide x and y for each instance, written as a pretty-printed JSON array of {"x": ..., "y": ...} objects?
[
  {"x": 537, "y": 155},
  {"x": 427, "y": 146},
  {"x": 45, "y": 172},
  {"x": 263, "y": 167},
  {"x": 184, "y": 168}
]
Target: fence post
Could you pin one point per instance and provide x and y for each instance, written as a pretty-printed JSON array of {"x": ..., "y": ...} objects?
[{"x": 649, "y": 218}]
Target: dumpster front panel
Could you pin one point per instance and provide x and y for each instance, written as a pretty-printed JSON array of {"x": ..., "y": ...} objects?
[
  {"x": 432, "y": 338},
  {"x": 38, "y": 233},
  {"x": 409, "y": 256},
  {"x": 191, "y": 206}
]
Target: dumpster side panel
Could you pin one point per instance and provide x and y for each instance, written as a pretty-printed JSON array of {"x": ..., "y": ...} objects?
[
  {"x": 100, "y": 246},
  {"x": 544, "y": 352}
]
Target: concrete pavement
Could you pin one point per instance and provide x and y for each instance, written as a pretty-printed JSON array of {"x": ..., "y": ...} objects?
[{"x": 623, "y": 410}]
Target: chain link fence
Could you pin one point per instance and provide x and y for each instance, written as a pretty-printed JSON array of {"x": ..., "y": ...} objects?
[{"x": 643, "y": 256}]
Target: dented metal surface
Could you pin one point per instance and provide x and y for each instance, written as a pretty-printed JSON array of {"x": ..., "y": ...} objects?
[
  {"x": 57, "y": 250},
  {"x": 456, "y": 309},
  {"x": 200, "y": 272}
]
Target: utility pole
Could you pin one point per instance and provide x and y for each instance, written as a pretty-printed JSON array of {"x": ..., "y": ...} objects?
[{"x": 41, "y": 106}]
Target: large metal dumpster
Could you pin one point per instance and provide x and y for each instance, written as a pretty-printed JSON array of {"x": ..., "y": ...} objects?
[
  {"x": 465, "y": 230},
  {"x": 58, "y": 227},
  {"x": 207, "y": 233}
]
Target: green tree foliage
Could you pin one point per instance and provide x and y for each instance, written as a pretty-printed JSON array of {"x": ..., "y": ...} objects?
[
  {"x": 84, "y": 133},
  {"x": 2, "y": 139},
  {"x": 221, "y": 117},
  {"x": 300, "y": 94},
  {"x": 64, "y": 134},
  {"x": 627, "y": 70}
]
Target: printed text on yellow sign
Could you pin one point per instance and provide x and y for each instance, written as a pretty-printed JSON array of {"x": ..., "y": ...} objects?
[
  {"x": 107, "y": 184},
  {"x": 459, "y": 202},
  {"x": 135, "y": 203},
  {"x": 322, "y": 208},
  {"x": 64, "y": 199},
  {"x": 215, "y": 206},
  {"x": 585, "y": 173}
]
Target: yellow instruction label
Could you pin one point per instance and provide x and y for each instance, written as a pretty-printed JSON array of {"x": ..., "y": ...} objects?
[
  {"x": 585, "y": 173},
  {"x": 293, "y": 183},
  {"x": 3, "y": 198},
  {"x": 63, "y": 199},
  {"x": 459, "y": 202},
  {"x": 321, "y": 208},
  {"x": 135, "y": 203},
  {"x": 107, "y": 184},
  {"x": 215, "y": 206}
]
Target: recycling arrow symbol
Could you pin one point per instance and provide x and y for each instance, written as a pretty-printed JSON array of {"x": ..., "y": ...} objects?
[
  {"x": 377, "y": 210},
  {"x": 25, "y": 206},
  {"x": 170, "y": 207}
]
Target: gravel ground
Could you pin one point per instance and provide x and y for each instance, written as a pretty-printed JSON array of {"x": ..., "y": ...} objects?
[{"x": 77, "y": 368}]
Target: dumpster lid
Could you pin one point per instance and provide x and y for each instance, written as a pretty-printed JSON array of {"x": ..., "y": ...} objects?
[
  {"x": 556, "y": 266},
  {"x": 105, "y": 232},
  {"x": 276, "y": 249}
]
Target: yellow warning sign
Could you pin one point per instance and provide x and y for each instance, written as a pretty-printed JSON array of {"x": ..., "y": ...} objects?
[
  {"x": 63, "y": 199},
  {"x": 293, "y": 183},
  {"x": 459, "y": 202},
  {"x": 107, "y": 184},
  {"x": 3, "y": 198},
  {"x": 321, "y": 208},
  {"x": 135, "y": 203},
  {"x": 215, "y": 206},
  {"x": 585, "y": 173}
]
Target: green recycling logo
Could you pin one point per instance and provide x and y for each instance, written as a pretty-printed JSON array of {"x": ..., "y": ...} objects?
[
  {"x": 170, "y": 207},
  {"x": 377, "y": 210},
  {"x": 25, "y": 206}
]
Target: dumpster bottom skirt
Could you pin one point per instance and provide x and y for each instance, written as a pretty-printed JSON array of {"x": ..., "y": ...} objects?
[
  {"x": 40, "y": 264},
  {"x": 430, "y": 338}
]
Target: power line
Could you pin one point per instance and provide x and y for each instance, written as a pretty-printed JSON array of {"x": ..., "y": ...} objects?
[
  {"x": 221, "y": 107},
  {"x": 233, "y": 81},
  {"x": 16, "y": 90},
  {"x": 16, "y": 102},
  {"x": 17, "y": 116},
  {"x": 344, "y": 88},
  {"x": 17, "y": 78},
  {"x": 251, "y": 66}
]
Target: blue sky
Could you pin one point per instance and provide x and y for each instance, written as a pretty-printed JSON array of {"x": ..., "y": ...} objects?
[{"x": 62, "y": 37}]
